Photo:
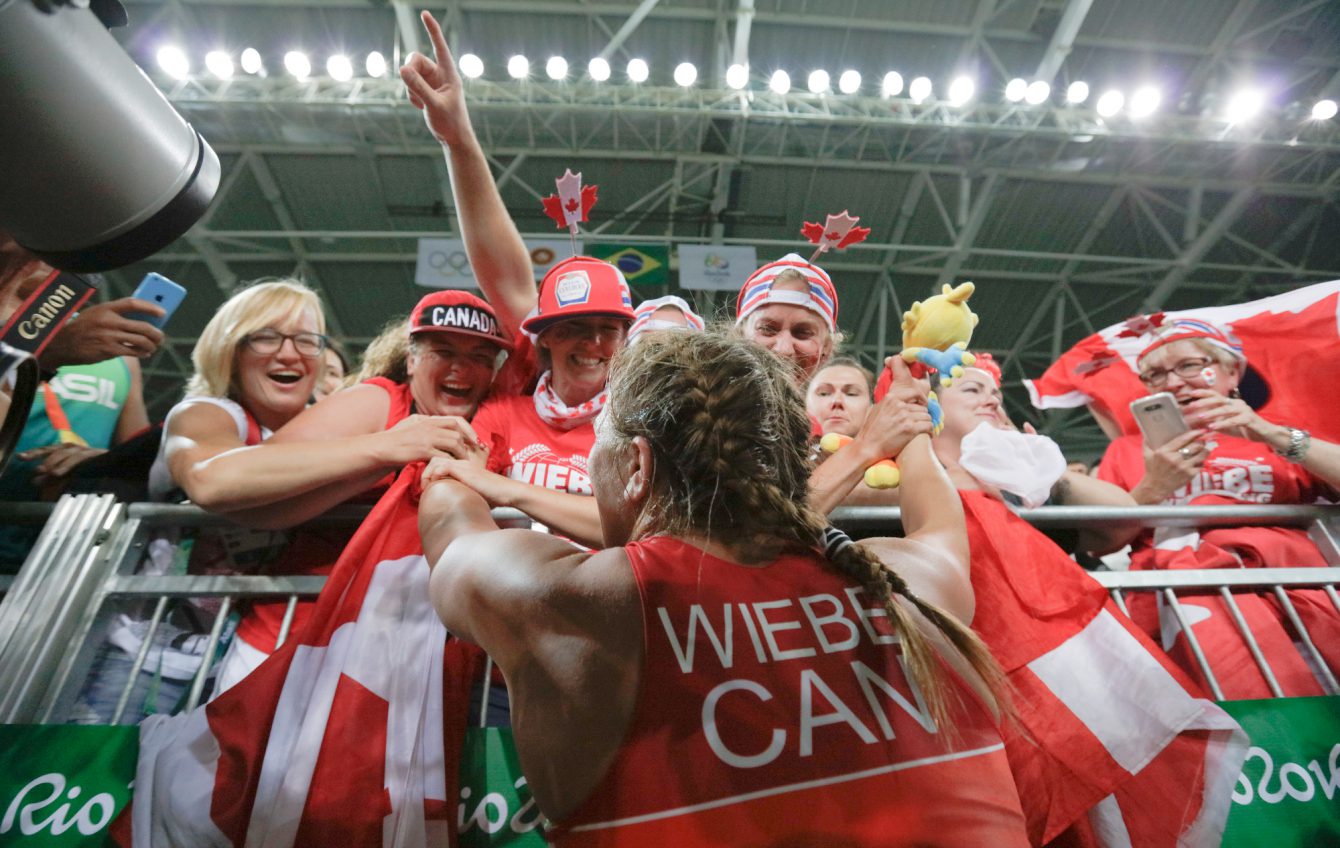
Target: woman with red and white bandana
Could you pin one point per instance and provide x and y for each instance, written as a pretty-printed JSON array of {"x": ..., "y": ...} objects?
[
  {"x": 1230, "y": 455},
  {"x": 790, "y": 307}
]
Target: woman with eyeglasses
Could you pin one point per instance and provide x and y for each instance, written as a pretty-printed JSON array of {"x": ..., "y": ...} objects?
[{"x": 1230, "y": 455}]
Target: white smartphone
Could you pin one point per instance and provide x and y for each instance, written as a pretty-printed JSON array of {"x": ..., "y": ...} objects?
[{"x": 1160, "y": 418}]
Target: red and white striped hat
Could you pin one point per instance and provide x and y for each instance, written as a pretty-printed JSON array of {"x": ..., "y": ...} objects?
[
  {"x": 647, "y": 308},
  {"x": 1180, "y": 329},
  {"x": 757, "y": 291}
]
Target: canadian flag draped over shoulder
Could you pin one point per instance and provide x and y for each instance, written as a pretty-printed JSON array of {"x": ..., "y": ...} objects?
[
  {"x": 1113, "y": 744},
  {"x": 348, "y": 735},
  {"x": 1285, "y": 338}
]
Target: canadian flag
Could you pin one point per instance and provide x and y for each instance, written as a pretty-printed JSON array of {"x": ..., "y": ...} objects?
[
  {"x": 1285, "y": 338},
  {"x": 348, "y": 735},
  {"x": 1113, "y": 745}
]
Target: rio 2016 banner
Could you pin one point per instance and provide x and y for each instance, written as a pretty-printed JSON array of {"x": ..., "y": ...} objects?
[
  {"x": 1289, "y": 791},
  {"x": 64, "y": 785}
]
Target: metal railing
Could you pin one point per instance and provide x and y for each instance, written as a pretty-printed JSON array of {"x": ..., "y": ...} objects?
[{"x": 56, "y": 611}]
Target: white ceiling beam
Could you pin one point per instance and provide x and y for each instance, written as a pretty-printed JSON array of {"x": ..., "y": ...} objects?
[
  {"x": 1196, "y": 251},
  {"x": 1063, "y": 39},
  {"x": 744, "y": 22},
  {"x": 643, "y": 9}
]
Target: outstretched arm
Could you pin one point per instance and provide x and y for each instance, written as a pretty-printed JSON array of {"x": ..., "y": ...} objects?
[
  {"x": 497, "y": 254},
  {"x": 574, "y": 516}
]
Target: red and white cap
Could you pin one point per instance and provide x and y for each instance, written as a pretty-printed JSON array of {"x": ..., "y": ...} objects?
[
  {"x": 577, "y": 288},
  {"x": 987, "y": 364},
  {"x": 757, "y": 291},
  {"x": 1180, "y": 329},
  {"x": 642, "y": 320},
  {"x": 455, "y": 311}
]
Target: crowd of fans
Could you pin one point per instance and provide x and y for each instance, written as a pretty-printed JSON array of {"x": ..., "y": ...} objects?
[{"x": 696, "y": 445}]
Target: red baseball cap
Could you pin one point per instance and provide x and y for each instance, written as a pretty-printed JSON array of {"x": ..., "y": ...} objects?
[
  {"x": 577, "y": 288},
  {"x": 455, "y": 311}
]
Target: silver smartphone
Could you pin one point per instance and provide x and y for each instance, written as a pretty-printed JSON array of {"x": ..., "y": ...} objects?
[{"x": 1160, "y": 418}]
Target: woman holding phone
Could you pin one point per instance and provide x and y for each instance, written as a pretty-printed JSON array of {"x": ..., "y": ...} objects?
[{"x": 1229, "y": 455}]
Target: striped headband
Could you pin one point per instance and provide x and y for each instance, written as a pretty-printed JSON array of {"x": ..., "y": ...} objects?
[
  {"x": 820, "y": 299},
  {"x": 642, "y": 315},
  {"x": 1181, "y": 329}
]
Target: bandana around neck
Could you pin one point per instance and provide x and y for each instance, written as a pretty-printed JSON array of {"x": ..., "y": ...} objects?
[{"x": 554, "y": 412}]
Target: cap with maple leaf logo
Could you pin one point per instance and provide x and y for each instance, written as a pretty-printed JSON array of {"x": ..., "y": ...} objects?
[{"x": 577, "y": 288}]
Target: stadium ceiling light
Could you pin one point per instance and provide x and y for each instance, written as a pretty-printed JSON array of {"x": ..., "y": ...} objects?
[
  {"x": 849, "y": 82},
  {"x": 556, "y": 68},
  {"x": 1037, "y": 93},
  {"x": 1323, "y": 110},
  {"x": 340, "y": 68},
  {"x": 1015, "y": 89},
  {"x": 219, "y": 63},
  {"x": 1245, "y": 105},
  {"x": 472, "y": 67},
  {"x": 376, "y": 65},
  {"x": 920, "y": 89},
  {"x": 174, "y": 62},
  {"x": 518, "y": 67},
  {"x": 251, "y": 61},
  {"x": 1145, "y": 101},
  {"x": 892, "y": 85},
  {"x": 1110, "y": 103},
  {"x": 685, "y": 74},
  {"x": 961, "y": 90},
  {"x": 737, "y": 76},
  {"x": 1078, "y": 92},
  {"x": 817, "y": 82},
  {"x": 297, "y": 64},
  {"x": 638, "y": 70},
  {"x": 599, "y": 69},
  {"x": 780, "y": 82}
]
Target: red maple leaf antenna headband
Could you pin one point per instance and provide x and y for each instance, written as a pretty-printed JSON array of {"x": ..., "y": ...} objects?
[
  {"x": 571, "y": 205},
  {"x": 838, "y": 232}
]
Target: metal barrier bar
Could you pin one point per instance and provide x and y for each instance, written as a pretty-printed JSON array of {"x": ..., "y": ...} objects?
[
  {"x": 1213, "y": 578},
  {"x": 198, "y": 684},
  {"x": 1327, "y": 677},
  {"x": 284, "y": 625},
  {"x": 1335, "y": 599},
  {"x": 140, "y": 657},
  {"x": 1170, "y": 597},
  {"x": 1120, "y": 600},
  {"x": 1247, "y": 637}
]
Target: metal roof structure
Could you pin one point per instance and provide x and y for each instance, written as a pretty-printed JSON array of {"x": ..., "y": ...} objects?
[{"x": 1065, "y": 220}]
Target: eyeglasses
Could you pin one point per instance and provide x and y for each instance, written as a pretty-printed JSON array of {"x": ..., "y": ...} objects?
[
  {"x": 1186, "y": 370},
  {"x": 266, "y": 342}
]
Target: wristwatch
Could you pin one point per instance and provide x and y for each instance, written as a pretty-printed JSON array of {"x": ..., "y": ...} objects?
[{"x": 1299, "y": 441}]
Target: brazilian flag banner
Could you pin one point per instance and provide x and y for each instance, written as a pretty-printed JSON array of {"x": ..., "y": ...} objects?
[{"x": 642, "y": 264}]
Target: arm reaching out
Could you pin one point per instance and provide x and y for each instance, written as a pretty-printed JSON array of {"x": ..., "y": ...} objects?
[{"x": 497, "y": 254}]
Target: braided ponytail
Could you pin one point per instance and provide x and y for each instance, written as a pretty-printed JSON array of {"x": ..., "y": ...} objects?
[{"x": 728, "y": 431}]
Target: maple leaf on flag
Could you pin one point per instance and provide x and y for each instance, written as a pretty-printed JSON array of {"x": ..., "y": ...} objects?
[
  {"x": 573, "y": 202},
  {"x": 1096, "y": 364},
  {"x": 838, "y": 231},
  {"x": 1139, "y": 325}
]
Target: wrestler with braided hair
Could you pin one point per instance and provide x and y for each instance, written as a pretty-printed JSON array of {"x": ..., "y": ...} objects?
[{"x": 729, "y": 670}]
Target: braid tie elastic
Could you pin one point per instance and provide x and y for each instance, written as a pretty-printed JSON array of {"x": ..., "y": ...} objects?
[{"x": 835, "y": 542}]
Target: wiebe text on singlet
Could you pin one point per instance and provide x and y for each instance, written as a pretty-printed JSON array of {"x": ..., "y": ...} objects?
[{"x": 792, "y": 630}]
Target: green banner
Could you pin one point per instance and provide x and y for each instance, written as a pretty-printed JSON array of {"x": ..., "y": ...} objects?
[
  {"x": 496, "y": 806},
  {"x": 1289, "y": 791},
  {"x": 642, "y": 265},
  {"x": 63, "y": 785}
]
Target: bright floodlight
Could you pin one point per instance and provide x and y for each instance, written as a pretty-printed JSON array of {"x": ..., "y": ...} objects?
[
  {"x": 340, "y": 68},
  {"x": 1110, "y": 103},
  {"x": 920, "y": 89},
  {"x": 961, "y": 91},
  {"x": 471, "y": 66},
  {"x": 849, "y": 82},
  {"x": 556, "y": 68},
  {"x": 780, "y": 82},
  {"x": 685, "y": 74},
  {"x": 638, "y": 70},
  {"x": 1245, "y": 105},
  {"x": 1015, "y": 89},
  {"x": 737, "y": 76},
  {"x": 376, "y": 65},
  {"x": 1145, "y": 101},
  {"x": 599, "y": 69},
  {"x": 173, "y": 62},
  {"x": 220, "y": 64},
  {"x": 297, "y": 64},
  {"x": 518, "y": 67},
  {"x": 817, "y": 82},
  {"x": 1078, "y": 92},
  {"x": 1324, "y": 110},
  {"x": 892, "y": 85},
  {"x": 1037, "y": 93},
  {"x": 251, "y": 61}
]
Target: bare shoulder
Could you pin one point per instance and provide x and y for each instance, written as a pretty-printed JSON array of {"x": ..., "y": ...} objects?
[
  {"x": 931, "y": 574},
  {"x": 201, "y": 422}
]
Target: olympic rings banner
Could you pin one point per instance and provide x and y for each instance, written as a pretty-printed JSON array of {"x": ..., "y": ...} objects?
[{"x": 443, "y": 263}]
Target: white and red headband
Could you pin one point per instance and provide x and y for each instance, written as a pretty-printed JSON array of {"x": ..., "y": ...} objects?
[
  {"x": 1181, "y": 329},
  {"x": 643, "y": 321},
  {"x": 758, "y": 290}
]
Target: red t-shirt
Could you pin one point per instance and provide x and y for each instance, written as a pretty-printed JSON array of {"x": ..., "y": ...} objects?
[
  {"x": 523, "y": 447},
  {"x": 773, "y": 710}
]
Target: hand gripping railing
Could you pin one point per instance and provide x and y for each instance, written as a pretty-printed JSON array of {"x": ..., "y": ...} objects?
[{"x": 54, "y": 614}]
